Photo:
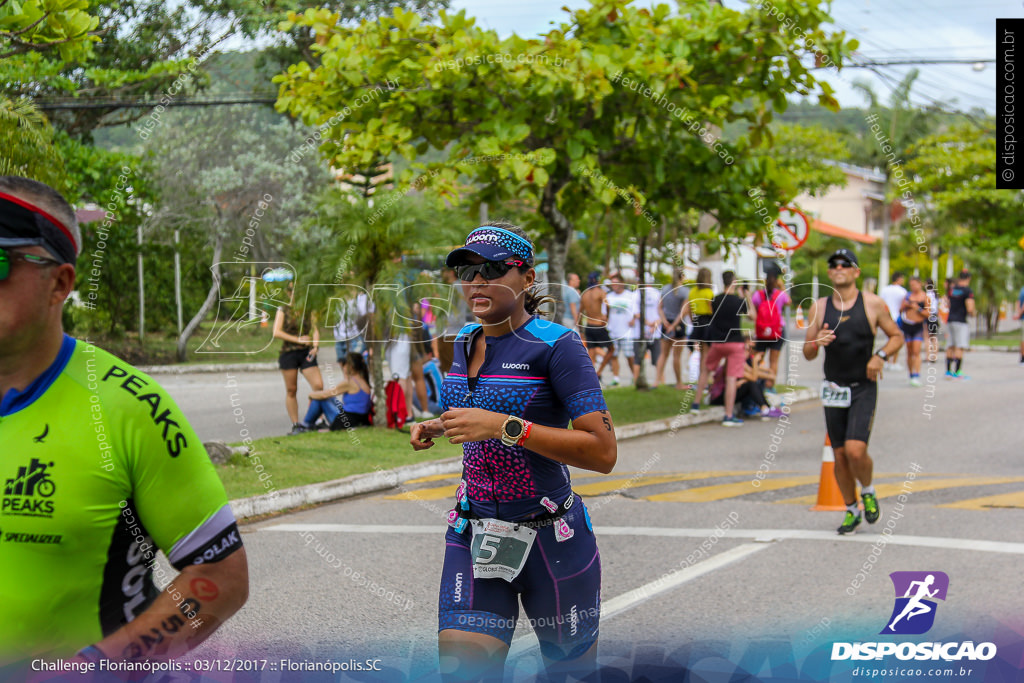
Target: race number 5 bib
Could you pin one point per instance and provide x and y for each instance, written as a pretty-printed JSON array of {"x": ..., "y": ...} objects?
[
  {"x": 834, "y": 396},
  {"x": 500, "y": 548}
]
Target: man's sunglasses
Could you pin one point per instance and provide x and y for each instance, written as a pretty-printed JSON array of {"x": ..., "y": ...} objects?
[
  {"x": 7, "y": 257},
  {"x": 840, "y": 263},
  {"x": 490, "y": 270}
]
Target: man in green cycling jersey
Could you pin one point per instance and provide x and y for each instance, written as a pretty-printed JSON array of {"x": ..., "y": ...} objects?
[{"x": 98, "y": 470}]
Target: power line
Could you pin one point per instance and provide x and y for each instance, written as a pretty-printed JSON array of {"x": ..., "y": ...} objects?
[{"x": 149, "y": 104}]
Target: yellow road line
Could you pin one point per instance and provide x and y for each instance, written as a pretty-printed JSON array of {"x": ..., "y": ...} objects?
[
  {"x": 434, "y": 477},
  {"x": 1002, "y": 500},
  {"x": 595, "y": 489},
  {"x": 916, "y": 486},
  {"x": 433, "y": 493},
  {"x": 620, "y": 484},
  {"x": 704, "y": 494}
]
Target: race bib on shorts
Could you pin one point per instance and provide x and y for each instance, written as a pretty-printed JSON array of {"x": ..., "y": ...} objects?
[
  {"x": 500, "y": 548},
  {"x": 834, "y": 396}
]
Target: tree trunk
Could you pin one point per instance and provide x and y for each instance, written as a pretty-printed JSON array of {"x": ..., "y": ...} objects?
[
  {"x": 211, "y": 298},
  {"x": 378, "y": 381},
  {"x": 558, "y": 250},
  {"x": 641, "y": 265}
]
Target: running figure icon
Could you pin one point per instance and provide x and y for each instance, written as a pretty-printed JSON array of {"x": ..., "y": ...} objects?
[
  {"x": 917, "y": 595},
  {"x": 915, "y": 606}
]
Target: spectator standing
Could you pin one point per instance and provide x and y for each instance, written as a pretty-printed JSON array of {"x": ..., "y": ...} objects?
[
  {"x": 961, "y": 305},
  {"x": 673, "y": 329},
  {"x": 620, "y": 317},
  {"x": 769, "y": 324},
  {"x": 893, "y": 295},
  {"x": 645, "y": 337},
  {"x": 571, "y": 299},
  {"x": 727, "y": 343},
  {"x": 298, "y": 353}
]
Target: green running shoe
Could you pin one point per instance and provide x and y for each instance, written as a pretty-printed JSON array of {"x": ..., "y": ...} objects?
[
  {"x": 849, "y": 523},
  {"x": 871, "y": 511}
]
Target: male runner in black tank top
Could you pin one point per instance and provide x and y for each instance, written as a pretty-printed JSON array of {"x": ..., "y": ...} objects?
[{"x": 844, "y": 325}]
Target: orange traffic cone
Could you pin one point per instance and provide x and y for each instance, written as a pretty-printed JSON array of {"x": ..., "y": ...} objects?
[
  {"x": 800, "y": 322},
  {"x": 829, "y": 497}
]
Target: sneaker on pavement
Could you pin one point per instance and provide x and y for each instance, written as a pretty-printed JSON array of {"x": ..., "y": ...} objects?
[
  {"x": 773, "y": 414},
  {"x": 850, "y": 523},
  {"x": 960, "y": 375},
  {"x": 871, "y": 510},
  {"x": 730, "y": 421},
  {"x": 915, "y": 382},
  {"x": 950, "y": 375},
  {"x": 298, "y": 428}
]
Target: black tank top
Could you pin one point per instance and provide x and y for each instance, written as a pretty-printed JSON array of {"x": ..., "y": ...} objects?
[{"x": 846, "y": 358}]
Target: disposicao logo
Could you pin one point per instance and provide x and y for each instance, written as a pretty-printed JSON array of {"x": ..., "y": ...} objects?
[
  {"x": 914, "y": 614},
  {"x": 916, "y": 592}
]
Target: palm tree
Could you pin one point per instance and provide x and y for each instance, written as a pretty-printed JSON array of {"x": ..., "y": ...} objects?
[
  {"x": 363, "y": 241},
  {"x": 899, "y": 126},
  {"x": 27, "y": 141}
]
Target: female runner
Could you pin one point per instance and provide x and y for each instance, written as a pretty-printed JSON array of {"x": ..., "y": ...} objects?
[{"x": 518, "y": 532}]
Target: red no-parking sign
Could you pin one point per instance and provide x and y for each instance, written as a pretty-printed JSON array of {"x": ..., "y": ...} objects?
[{"x": 791, "y": 229}]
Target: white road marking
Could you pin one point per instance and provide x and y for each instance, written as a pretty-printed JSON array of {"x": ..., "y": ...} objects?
[
  {"x": 751, "y": 534},
  {"x": 630, "y": 599}
]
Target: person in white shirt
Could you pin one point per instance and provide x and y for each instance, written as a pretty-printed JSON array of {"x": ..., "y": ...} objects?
[
  {"x": 648, "y": 297},
  {"x": 893, "y": 295},
  {"x": 352, "y": 318},
  {"x": 620, "y": 316}
]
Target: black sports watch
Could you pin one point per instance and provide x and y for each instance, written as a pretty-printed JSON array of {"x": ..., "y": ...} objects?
[
  {"x": 511, "y": 430},
  {"x": 882, "y": 354}
]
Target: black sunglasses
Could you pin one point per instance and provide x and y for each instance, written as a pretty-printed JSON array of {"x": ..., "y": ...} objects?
[
  {"x": 490, "y": 270},
  {"x": 840, "y": 263},
  {"x": 7, "y": 257}
]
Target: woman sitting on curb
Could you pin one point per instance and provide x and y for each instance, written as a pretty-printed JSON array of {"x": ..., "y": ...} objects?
[{"x": 353, "y": 410}]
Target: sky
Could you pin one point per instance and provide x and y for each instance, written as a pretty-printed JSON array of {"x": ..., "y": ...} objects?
[{"x": 886, "y": 29}]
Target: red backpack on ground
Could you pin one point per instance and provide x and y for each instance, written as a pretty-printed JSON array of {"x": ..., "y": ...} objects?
[
  {"x": 394, "y": 398},
  {"x": 769, "y": 316}
]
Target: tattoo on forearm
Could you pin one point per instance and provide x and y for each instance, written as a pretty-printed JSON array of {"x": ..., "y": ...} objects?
[
  {"x": 604, "y": 418},
  {"x": 153, "y": 641}
]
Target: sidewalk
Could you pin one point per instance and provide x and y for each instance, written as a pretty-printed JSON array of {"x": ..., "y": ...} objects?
[{"x": 383, "y": 480}]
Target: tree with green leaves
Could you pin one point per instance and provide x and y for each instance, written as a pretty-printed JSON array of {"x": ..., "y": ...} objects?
[
  {"x": 551, "y": 114},
  {"x": 955, "y": 174},
  {"x": 887, "y": 145},
  {"x": 224, "y": 183},
  {"x": 37, "y": 26},
  {"x": 30, "y": 31},
  {"x": 355, "y": 245}
]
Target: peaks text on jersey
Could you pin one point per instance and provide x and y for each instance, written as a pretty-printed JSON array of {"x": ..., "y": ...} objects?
[
  {"x": 27, "y": 493},
  {"x": 172, "y": 435}
]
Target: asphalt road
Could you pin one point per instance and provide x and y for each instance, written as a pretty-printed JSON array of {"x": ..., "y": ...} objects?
[{"x": 754, "y": 578}]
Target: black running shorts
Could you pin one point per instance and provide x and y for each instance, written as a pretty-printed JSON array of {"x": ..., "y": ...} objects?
[
  {"x": 853, "y": 423},
  {"x": 596, "y": 337},
  {"x": 296, "y": 359}
]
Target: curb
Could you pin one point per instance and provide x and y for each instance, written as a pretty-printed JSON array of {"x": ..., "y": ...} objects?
[
  {"x": 211, "y": 367},
  {"x": 382, "y": 480},
  {"x": 272, "y": 365},
  {"x": 347, "y": 487}
]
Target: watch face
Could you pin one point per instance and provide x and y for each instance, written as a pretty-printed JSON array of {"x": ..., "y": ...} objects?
[{"x": 513, "y": 428}]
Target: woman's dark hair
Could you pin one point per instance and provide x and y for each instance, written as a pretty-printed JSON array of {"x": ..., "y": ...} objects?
[
  {"x": 704, "y": 278},
  {"x": 356, "y": 362},
  {"x": 532, "y": 301}
]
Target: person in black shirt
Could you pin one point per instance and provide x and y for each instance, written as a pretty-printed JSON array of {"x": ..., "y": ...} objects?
[
  {"x": 961, "y": 305},
  {"x": 727, "y": 343},
  {"x": 844, "y": 324}
]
